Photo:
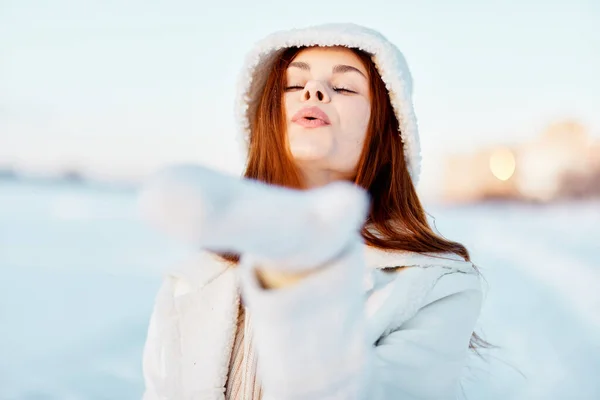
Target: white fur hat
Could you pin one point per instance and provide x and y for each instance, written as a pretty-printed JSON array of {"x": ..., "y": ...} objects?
[{"x": 388, "y": 59}]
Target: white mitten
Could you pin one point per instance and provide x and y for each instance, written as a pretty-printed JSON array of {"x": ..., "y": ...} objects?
[{"x": 291, "y": 228}]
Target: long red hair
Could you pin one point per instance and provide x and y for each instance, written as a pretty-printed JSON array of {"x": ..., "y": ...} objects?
[{"x": 396, "y": 220}]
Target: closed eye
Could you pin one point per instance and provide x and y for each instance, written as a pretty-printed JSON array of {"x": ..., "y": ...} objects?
[
  {"x": 343, "y": 90},
  {"x": 336, "y": 89}
]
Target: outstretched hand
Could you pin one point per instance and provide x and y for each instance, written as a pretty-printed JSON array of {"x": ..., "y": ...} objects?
[{"x": 294, "y": 229}]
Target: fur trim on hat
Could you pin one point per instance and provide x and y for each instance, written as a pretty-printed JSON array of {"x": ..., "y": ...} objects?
[{"x": 388, "y": 59}]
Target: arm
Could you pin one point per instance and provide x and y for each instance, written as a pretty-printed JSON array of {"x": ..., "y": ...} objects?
[
  {"x": 424, "y": 359},
  {"x": 311, "y": 341}
]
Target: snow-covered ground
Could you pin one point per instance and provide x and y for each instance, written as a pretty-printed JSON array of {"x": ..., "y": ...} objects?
[{"x": 80, "y": 272}]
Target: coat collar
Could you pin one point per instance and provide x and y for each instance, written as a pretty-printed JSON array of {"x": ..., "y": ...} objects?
[
  {"x": 380, "y": 259},
  {"x": 205, "y": 267},
  {"x": 198, "y": 271},
  {"x": 206, "y": 299}
]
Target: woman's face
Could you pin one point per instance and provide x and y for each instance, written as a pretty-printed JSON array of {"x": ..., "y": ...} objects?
[{"x": 327, "y": 106}]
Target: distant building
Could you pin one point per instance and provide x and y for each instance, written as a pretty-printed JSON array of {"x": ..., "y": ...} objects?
[
  {"x": 593, "y": 155},
  {"x": 562, "y": 161},
  {"x": 470, "y": 178},
  {"x": 562, "y": 149}
]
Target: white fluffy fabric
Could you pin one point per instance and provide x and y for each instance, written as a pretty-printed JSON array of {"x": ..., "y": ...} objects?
[
  {"x": 388, "y": 59},
  {"x": 282, "y": 227}
]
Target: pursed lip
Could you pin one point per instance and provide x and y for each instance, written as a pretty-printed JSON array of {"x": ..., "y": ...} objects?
[{"x": 311, "y": 113}]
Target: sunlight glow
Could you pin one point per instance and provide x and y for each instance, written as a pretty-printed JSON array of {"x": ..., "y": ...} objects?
[{"x": 502, "y": 164}]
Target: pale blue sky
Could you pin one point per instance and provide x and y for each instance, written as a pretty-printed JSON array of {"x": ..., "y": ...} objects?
[{"x": 123, "y": 86}]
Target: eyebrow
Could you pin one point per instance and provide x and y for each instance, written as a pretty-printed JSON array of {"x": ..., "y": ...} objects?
[{"x": 338, "y": 69}]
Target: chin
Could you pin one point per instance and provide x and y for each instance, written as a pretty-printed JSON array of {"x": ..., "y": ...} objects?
[
  {"x": 311, "y": 144},
  {"x": 308, "y": 153}
]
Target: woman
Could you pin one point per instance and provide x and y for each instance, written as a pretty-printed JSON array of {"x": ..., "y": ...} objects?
[{"x": 342, "y": 289}]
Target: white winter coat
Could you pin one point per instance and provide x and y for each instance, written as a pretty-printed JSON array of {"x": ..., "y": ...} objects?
[{"x": 350, "y": 331}]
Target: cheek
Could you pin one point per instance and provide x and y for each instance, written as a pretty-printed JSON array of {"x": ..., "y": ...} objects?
[
  {"x": 355, "y": 121},
  {"x": 291, "y": 103}
]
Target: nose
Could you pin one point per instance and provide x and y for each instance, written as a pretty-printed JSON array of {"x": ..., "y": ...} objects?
[{"x": 315, "y": 90}]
